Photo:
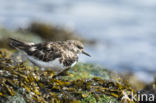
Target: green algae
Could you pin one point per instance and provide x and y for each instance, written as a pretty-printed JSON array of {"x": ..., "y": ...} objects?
[
  {"x": 37, "y": 85},
  {"x": 82, "y": 70},
  {"x": 103, "y": 99}
]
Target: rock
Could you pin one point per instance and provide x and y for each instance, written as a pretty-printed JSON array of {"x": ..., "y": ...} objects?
[
  {"x": 133, "y": 81},
  {"x": 149, "y": 90},
  {"x": 53, "y": 33},
  {"x": 18, "y": 98},
  {"x": 50, "y": 32},
  {"x": 85, "y": 83}
]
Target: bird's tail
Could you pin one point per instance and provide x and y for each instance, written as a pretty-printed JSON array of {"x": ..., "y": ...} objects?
[{"x": 17, "y": 44}]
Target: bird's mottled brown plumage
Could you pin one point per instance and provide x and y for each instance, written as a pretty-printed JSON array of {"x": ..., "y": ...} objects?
[
  {"x": 66, "y": 51},
  {"x": 52, "y": 50}
]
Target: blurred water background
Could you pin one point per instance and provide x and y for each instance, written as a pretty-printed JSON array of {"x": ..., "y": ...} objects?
[{"x": 125, "y": 30}]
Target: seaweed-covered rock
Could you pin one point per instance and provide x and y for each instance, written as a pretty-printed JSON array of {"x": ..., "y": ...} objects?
[
  {"x": 149, "y": 90},
  {"x": 50, "y": 32},
  {"x": 20, "y": 81},
  {"x": 133, "y": 81},
  {"x": 54, "y": 33},
  {"x": 86, "y": 71}
]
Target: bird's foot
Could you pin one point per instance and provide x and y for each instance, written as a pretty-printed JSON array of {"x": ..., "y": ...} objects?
[{"x": 61, "y": 74}]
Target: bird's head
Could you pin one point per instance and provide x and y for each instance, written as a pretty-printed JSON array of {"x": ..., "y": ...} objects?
[{"x": 77, "y": 46}]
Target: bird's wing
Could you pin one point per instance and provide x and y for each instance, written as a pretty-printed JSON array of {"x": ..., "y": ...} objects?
[{"x": 45, "y": 51}]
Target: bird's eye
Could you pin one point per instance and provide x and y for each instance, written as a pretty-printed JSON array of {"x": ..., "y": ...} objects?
[{"x": 80, "y": 47}]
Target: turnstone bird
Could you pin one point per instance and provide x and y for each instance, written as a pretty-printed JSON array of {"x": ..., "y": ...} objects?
[{"x": 58, "y": 56}]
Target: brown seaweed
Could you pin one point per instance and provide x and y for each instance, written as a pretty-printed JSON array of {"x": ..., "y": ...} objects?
[{"x": 40, "y": 86}]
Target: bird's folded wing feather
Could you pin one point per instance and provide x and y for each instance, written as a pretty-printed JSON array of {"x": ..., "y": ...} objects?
[{"x": 42, "y": 52}]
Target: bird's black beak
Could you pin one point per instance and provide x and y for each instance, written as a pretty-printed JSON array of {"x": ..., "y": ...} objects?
[{"x": 86, "y": 53}]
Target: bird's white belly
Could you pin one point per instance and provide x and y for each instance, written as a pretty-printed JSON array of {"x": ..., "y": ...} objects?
[{"x": 55, "y": 65}]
